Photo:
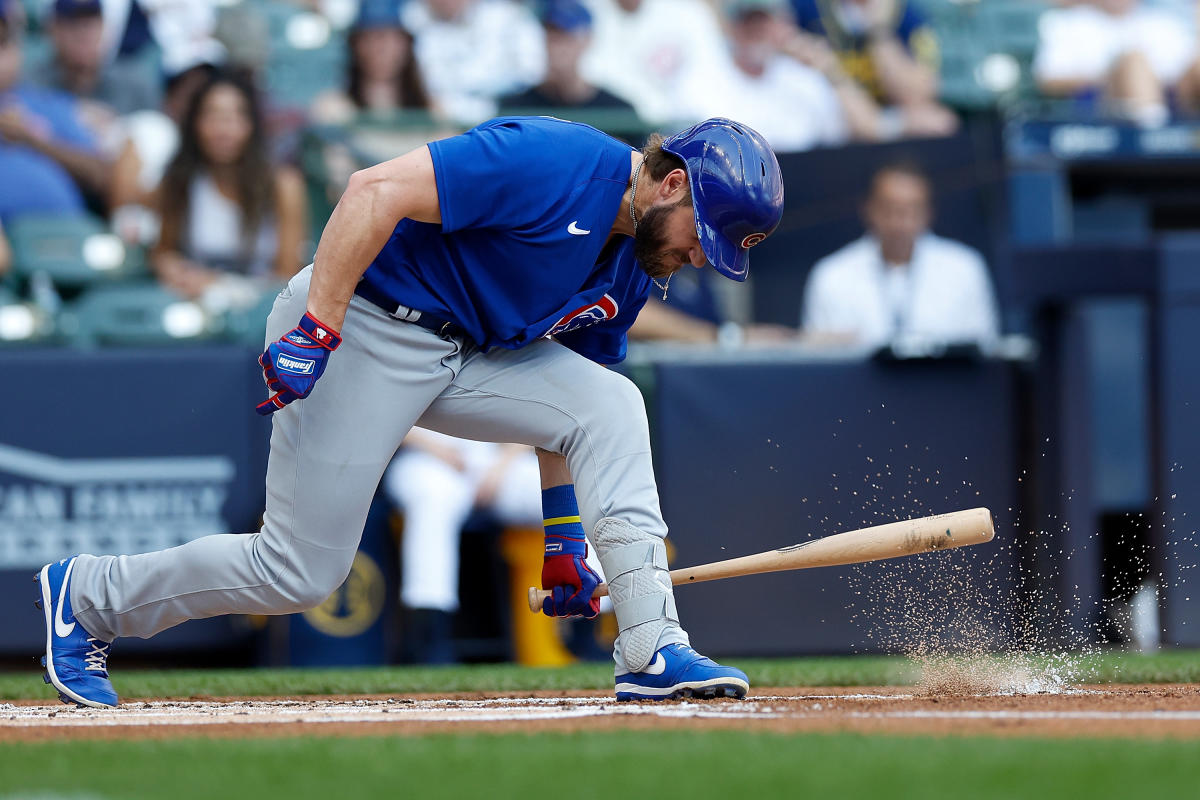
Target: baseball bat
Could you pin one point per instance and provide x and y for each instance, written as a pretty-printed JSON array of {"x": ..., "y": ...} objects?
[{"x": 892, "y": 540}]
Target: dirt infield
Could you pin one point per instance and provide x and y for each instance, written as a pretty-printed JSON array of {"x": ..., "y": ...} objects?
[{"x": 1157, "y": 711}]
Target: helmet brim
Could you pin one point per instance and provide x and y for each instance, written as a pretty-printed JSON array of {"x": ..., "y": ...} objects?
[{"x": 726, "y": 257}]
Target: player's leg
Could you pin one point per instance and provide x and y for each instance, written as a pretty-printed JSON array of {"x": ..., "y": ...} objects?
[
  {"x": 327, "y": 455},
  {"x": 550, "y": 397}
]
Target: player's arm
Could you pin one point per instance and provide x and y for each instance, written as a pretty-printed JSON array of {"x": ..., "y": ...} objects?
[
  {"x": 565, "y": 571},
  {"x": 375, "y": 200}
]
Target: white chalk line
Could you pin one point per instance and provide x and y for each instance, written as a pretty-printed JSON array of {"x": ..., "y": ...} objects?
[{"x": 525, "y": 709}]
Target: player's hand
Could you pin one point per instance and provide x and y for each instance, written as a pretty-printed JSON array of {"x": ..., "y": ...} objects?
[
  {"x": 571, "y": 580},
  {"x": 292, "y": 365}
]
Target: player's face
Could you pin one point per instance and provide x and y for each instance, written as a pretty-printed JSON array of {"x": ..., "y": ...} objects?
[{"x": 666, "y": 239}]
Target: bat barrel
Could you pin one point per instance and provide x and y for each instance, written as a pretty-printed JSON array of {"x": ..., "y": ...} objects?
[{"x": 891, "y": 540}]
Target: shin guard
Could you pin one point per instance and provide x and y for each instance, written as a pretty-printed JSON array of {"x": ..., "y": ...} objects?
[{"x": 635, "y": 564}]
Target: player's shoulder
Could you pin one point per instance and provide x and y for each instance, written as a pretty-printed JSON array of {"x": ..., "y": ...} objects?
[{"x": 545, "y": 143}]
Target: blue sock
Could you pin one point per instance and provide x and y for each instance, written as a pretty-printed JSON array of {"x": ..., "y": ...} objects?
[{"x": 560, "y": 513}]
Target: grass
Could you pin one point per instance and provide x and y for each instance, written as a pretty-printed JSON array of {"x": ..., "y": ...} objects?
[
  {"x": 695, "y": 764},
  {"x": 602, "y": 765},
  {"x": 1176, "y": 666}
]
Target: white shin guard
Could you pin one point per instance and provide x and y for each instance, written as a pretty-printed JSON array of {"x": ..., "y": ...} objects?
[{"x": 635, "y": 564}]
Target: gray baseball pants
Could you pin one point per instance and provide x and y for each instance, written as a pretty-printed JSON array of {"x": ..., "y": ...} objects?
[{"x": 329, "y": 451}]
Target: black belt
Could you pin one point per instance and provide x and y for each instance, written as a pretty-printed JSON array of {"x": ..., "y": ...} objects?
[{"x": 442, "y": 327}]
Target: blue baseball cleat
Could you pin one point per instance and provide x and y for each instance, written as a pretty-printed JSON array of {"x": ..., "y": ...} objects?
[
  {"x": 679, "y": 671},
  {"x": 75, "y": 661}
]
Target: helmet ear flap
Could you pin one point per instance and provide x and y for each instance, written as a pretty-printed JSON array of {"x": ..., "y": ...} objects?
[{"x": 737, "y": 190}]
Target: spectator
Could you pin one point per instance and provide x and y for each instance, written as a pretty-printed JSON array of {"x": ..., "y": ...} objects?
[
  {"x": 568, "y": 27},
  {"x": 472, "y": 52},
  {"x": 900, "y": 282},
  {"x": 151, "y": 139},
  {"x": 79, "y": 65},
  {"x": 1123, "y": 55},
  {"x": 232, "y": 224},
  {"x": 790, "y": 103},
  {"x": 887, "y": 46},
  {"x": 46, "y": 154},
  {"x": 383, "y": 76},
  {"x": 438, "y": 480},
  {"x": 691, "y": 313},
  {"x": 663, "y": 56}
]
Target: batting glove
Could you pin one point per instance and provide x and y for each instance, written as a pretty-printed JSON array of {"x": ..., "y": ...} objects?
[
  {"x": 572, "y": 581},
  {"x": 292, "y": 365}
]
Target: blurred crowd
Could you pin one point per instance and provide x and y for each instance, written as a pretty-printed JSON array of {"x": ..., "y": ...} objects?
[{"x": 178, "y": 123}]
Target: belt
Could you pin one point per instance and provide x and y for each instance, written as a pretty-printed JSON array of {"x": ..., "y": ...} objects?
[{"x": 442, "y": 327}]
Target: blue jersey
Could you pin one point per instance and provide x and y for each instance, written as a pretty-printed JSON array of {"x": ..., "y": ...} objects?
[
  {"x": 527, "y": 204},
  {"x": 32, "y": 182}
]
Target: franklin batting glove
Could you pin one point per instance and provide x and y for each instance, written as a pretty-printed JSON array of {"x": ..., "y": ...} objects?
[
  {"x": 566, "y": 573},
  {"x": 292, "y": 365}
]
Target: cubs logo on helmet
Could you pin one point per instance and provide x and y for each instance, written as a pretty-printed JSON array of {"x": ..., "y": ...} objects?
[{"x": 603, "y": 309}]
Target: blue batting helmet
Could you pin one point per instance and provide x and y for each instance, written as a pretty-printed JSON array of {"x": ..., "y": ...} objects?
[{"x": 737, "y": 191}]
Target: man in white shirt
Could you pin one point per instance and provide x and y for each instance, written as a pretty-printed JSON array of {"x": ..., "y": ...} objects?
[
  {"x": 791, "y": 104},
  {"x": 472, "y": 52},
  {"x": 900, "y": 282},
  {"x": 663, "y": 56}
]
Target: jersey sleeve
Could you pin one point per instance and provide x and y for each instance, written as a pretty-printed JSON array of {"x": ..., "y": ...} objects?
[
  {"x": 494, "y": 176},
  {"x": 919, "y": 37},
  {"x": 808, "y": 16},
  {"x": 608, "y": 342}
]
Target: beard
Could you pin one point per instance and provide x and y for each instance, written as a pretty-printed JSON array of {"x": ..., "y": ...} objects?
[{"x": 650, "y": 243}]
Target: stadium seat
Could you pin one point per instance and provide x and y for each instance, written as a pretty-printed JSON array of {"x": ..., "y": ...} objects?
[
  {"x": 73, "y": 252},
  {"x": 137, "y": 314},
  {"x": 987, "y": 50},
  {"x": 249, "y": 325},
  {"x": 22, "y": 323},
  {"x": 306, "y": 56}
]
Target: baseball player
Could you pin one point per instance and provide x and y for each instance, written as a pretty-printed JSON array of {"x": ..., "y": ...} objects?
[{"x": 476, "y": 286}]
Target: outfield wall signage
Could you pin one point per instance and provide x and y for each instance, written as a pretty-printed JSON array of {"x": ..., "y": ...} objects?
[{"x": 51, "y": 506}]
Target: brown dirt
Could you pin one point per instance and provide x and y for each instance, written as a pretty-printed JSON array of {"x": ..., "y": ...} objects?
[{"x": 1160, "y": 711}]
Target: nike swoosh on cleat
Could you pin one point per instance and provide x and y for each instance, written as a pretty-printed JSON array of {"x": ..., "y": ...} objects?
[
  {"x": 61, "y": 628},
  {"x": 656, "y": 667},
  {"x": 575, "y": 230}
]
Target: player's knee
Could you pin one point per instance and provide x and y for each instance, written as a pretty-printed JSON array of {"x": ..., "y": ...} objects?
[
  {"x": 622, "y": 404},
  {"x": 302, "y": 589}
]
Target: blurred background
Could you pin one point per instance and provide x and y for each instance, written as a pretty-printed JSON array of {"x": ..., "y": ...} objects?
[{"x": 984, "y": 291}]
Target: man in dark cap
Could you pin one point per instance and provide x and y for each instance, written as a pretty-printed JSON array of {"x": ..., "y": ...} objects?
[
  {"x": 46, "y": 153},
  {"x": 78, "y": 64},
  {"x": 568, "y": 26}
]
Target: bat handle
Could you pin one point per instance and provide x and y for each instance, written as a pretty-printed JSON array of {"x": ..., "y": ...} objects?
[{"x": 536, "y": 596}]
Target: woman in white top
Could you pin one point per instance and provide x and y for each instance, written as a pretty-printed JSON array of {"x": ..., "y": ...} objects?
[{"x": 226, "y": 210}]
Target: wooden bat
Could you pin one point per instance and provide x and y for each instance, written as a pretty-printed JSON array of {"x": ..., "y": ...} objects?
[{"x": 905, "y": 538}]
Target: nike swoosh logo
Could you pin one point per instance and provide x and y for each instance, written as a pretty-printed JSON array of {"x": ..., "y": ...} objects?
[
  {"x": 656, "y": 667},
  {"x": 61, "y": 628},
  {"x": 575, "y": 230}
]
